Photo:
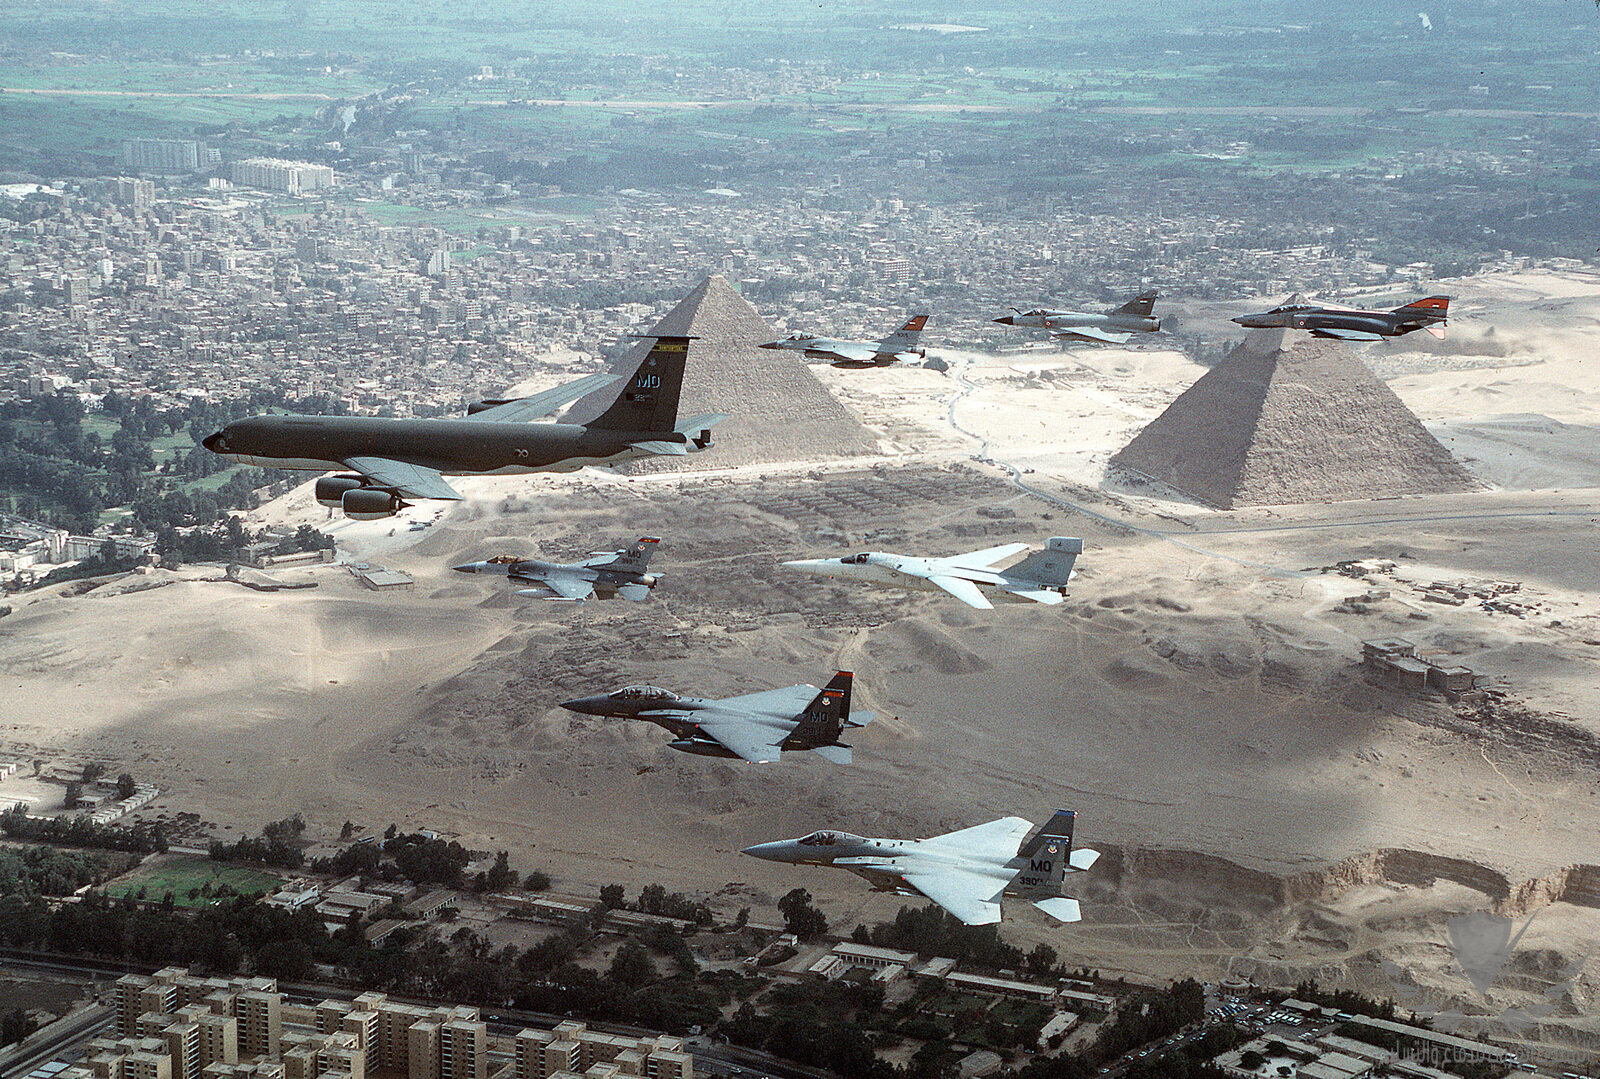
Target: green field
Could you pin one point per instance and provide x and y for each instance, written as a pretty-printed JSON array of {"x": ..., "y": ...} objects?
[{"x": 180, "y": 875}]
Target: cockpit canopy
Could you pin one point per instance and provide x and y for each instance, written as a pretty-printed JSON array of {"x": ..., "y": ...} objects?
[
  {"x": 504, "y": 560},
  {"x": 1289, "y": 307},
  {"x": 643, "y": 693},
  {"x": 855, "y": 559},
  {"x": 829, "y": 839}
]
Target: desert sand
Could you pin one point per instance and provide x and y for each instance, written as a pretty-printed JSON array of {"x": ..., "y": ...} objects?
[{"x": 1266, "y": 811}]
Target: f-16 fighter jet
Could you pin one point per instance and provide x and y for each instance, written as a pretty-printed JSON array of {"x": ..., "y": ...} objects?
[
  {"x": 391, "y": 460},
  {"x": 1353, "y": 323},
  {"x": 1040, "y": 578},
  {"x": 1111, "y": 327},
  {"x": 965, "y": 872},
  {"x": 900, "y": 345},
  {"x": 757, "y": 726},
  {"x": 604, "y": 574}
]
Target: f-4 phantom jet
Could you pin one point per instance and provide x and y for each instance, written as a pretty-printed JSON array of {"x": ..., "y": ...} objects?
[
  {"x": 603, "y": 574},
  {"x": 1040, "y": 578},
  {"x": 1353, "y": 323},
  {"x": 900, "y": 345},
  {"x": 1108, "y": 327},
  {"x": 965, "y": 872},
  {"x": 757, "y": 726},
  {"x": 387, "y": 461}
]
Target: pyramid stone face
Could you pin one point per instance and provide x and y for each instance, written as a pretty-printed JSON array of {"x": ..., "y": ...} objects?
[
  {"x": 777, "y": 410},
  {"x": 1279, "y": 422}
]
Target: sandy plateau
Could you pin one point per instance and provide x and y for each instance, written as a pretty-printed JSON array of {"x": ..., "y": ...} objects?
[{"x": 1266, "y": 811}]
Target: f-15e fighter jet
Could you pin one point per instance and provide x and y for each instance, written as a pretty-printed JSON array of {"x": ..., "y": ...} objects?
[
  {"x": 965, "y": 872},
  {"x": 756, "y": 726}
]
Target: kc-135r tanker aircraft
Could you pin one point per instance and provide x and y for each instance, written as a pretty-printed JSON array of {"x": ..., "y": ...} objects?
[
  {"x": 965, "y": 872},
  {"x": 390, "y": 460}
]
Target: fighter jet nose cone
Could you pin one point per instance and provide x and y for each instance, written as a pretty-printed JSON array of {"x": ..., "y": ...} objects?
[
  {"x": 760, "y": 850},
  {"x": 467, "y": 567},
  {"x": 1007, "y": 321},
  {"x": 771, "y": 344}
]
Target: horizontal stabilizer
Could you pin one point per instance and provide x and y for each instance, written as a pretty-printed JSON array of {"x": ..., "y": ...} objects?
[
  {"x": 1061, "y": 909},
  {"x": 664, "y": 449},
  {"x": 1437, "y": 331},
  {"x": 636, "y": 592},
  {"x": 860, "y": 719},
  {"x": 836, "y": 754},
  {"x": 701, "y": 422},
  {"x": 1082, "y": 858}
]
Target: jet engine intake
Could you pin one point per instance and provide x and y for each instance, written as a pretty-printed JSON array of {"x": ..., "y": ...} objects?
[
  {"x": 371, "y": 503},
  {"x": 330, "y": 490}
]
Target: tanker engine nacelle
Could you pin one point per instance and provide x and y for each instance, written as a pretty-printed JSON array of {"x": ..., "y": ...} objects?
[
  {"x": 330, "y": 489},
  {"x": 371, "y": 503}
]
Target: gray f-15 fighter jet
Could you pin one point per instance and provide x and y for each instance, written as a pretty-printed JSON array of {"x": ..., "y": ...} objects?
[
  {"x": 1109, "y": 327},
  {"x": 390, "y": 460},
  {"x": 756, "y": 726},
  {"x": 1353, "y": 323},
  {"x": 900, "y": 345},
  {"x": 1040, "y": 578},
  {"x": 604, "y": 574},
  {"x": 965, "y": 872}
]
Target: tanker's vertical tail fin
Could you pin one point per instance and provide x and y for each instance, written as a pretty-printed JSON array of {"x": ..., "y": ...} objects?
[{"x": 649, "y": 398}]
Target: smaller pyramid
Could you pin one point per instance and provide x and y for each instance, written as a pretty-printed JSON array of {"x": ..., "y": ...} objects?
[
  {"x": 1279, "y": 422},
  {"x": 777, "y": 410}
]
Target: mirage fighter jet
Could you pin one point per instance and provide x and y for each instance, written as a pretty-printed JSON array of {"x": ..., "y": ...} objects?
[
  {"x": 900, "y": 345},
  {"x": 1353, "y": 323},
  {"x": 757, "y": 726},
  {"x": 1108, "y": 327},
  {"x": 387, "y": 461},
  {"x": 1040, "y": 578},
  {"x": 603, "y": 574},
  {"x": 965, "y": 872}
]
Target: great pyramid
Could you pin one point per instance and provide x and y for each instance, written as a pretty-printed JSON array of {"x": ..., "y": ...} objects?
[
  {"x": 1276, "y": 423},
  {"x": 777, "y": 410}
]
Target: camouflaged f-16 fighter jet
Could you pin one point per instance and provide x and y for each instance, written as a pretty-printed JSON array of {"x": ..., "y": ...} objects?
[
  {"x": 900, "y": 345},
  {"x": 603, "y": 574}
]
